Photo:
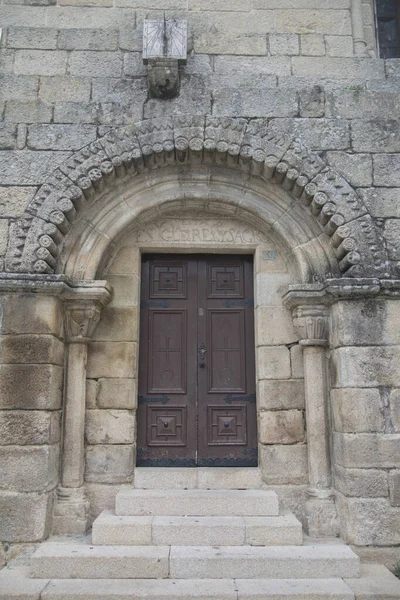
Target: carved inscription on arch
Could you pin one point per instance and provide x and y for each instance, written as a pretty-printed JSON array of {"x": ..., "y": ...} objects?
[{"x": 198, "y": 231}]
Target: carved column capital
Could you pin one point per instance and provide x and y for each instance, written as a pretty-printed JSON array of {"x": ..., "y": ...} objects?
[
  {"x": 80, "y": 320},
  {"x": 312, "y": 324}
]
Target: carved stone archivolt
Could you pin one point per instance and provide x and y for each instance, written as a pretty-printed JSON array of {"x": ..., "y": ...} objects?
[{"x": 250, "y": 146}]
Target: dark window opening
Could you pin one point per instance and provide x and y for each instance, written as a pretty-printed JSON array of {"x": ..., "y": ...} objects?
[{"x": 388, "y": 28}]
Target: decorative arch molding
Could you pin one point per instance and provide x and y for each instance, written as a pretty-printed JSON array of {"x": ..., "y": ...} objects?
[{"x": 250, "y": 147}]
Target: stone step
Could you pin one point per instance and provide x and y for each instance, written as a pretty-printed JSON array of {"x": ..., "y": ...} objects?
[
  {"x": 250, "y": 562},
  {"x": 65, "y": 560},
  {"x": 109, "y": 529},
  {"x": 196, "y": 502},
  {"x": 228, "y": 478},
  {"x": 375, "y": 583},
  {"x": 80, "y": 561},
  {"x": 202, "y": 589}
]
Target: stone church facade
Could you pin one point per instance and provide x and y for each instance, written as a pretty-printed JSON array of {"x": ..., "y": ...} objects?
[{"x": 282, "y": 145}]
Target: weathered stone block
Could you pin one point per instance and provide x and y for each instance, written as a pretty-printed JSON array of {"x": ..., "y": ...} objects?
[
  {"x": 357, "y": 410},
  {"x": 312, "y": 102},
  {"x": 274, "y": 326},
  {"x": 133, "y": 65},
  {"x": 95, "y": 64},
  {"x": 369, "y": 521},
  {"x": 28, "y": 112},
  {"x": 356, "y": 168},
  {"x": 365, "y": 483},
  {"x": 297, "y": 361},
  {"x": 126, "y": 262},
  {"x": 88, "y": 39},
  {"x": 60, "y": 137},
  {"x": 65, "y": 89},
  {"x": 333, "y": 22},
  {"x": 377, "y": 135},
  {"x": 31, "y": 349},
  {"x": 131, "y": 39},
  {"x": 339, "y": 45},
  {"x": 92, "y": 387},
  {"x": 253, "y": 102},
  {"x": 8, "y": 136},
  {"x": 3, "y": 236},
  {"x": 337, "y": 68},
  {"x": 14, "y": 200},
  {"x": 30, "y": 313},
  {"x": 365, "y": 322},
  {"x": 392, "y": 236},
  {"x": 250, "y": 71},
  {"x": 31, "y": 387},
  {"x": 284, "y": 44},
  {"x": 126, "y": 290},
  {"x": 117, "y": 393},
  {"x": 28, "y": 168},
  {"x": 110, "y": 113},
  {"x": 29, "y": 468},
  {"x": 111, "y": 359},
  {"x": 32, "y": 37},
  {"x": 381, "y": 202},
  {"x": 116, "y": 90},
  {"x": 395, "y": 408},
  {"x": 318, "y": 134},
  {"x": 24, "y": 16},
  {"x": 367, "y": 450},
  {"x": 350, "y": 104},
  {"x": 109, "y": 427},
  {"x": 280, "y": 394},
  {"x": 194, "y": 98},
  {"x": 40, "y": 62},
  {"x": 25, "y": 517},
  {"x": 312, "y": 44},
  {"x": 118, "y": 323},
  {"x": 109, "y": 464},
  {"x": 368, "y": 366},
  {"x": 18, "y": 87},
  {"x": 394, "y": 487},
  {"x": 77, "y": 112},
  {"x": 21, "y": 427},
  {"x": 273, "y": 362},
  {"x": 7, "y": 60},
  {"x": 220, "y": 43},
  {"x": 284, "y": 464},
  {"x": 281, "y": 427}
]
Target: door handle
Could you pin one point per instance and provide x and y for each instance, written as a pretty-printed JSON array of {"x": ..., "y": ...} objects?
[{"x": 202, "y": 356}]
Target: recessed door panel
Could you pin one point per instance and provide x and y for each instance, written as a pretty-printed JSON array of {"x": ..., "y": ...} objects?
[
  {"x": 196, "y": 362},
  {"x": 167, "y": 352},
  {"x": 227, "y": 359}
]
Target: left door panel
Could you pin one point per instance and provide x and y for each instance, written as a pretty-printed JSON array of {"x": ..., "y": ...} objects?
[{"x": 167, "y": 420}]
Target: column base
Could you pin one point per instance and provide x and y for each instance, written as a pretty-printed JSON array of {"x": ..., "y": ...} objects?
[
  {"x": 321, "y": 516},
  {"x": 71, "y": 511}
]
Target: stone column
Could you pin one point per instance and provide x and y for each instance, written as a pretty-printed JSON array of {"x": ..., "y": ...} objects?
[
  {"x": 311, "y": 323},
  {"x": 72, "y": 508},
  {"x": 357, "y": 22}
]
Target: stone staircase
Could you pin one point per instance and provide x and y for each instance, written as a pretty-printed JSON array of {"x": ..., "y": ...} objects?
[{"x": 180, "y": 534}]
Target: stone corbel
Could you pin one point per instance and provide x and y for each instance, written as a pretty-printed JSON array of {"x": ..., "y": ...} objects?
[
  {"x": 164, "y": 48},
  {"x": 311, "y": 320},
  {"x": 81, "y": 316}
]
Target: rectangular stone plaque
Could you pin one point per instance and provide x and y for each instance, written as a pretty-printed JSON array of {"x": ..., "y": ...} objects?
[{"x": 165, "y": 39}]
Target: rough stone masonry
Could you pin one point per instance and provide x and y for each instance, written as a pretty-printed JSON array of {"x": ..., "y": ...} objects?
[{"x": 284, "y": 141}]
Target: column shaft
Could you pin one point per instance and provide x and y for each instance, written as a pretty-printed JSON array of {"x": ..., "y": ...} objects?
[
  {"x": 74, "y": 416},
  {"x": 316, "y": 418}
]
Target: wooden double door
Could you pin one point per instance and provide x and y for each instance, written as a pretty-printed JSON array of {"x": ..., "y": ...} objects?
[{"x": 197, "y": 403}]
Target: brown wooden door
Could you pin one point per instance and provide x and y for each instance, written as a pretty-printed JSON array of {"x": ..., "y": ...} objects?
[{"x": 197, "y": 403}]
